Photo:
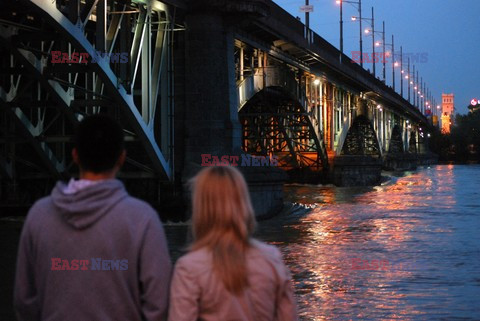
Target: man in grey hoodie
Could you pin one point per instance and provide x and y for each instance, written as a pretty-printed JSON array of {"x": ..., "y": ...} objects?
[{"x": 89, "y": 251}]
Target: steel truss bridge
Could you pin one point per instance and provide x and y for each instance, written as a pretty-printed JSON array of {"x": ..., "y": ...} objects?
[{"x": 183, "y": 78}]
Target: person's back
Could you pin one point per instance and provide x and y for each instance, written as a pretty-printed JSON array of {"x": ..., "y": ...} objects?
[
  {"x": 89, "y": 251},
  {"x": 268, "y": 297},
  {"x": 228, "y": 275}
]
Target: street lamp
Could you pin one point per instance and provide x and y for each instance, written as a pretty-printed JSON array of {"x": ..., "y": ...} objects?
[
  {"x": 372, "y": 33},
  {"x": 394, "y": 63},
  {"x": 359, "y": 8},
  {"x": 401, "y": 71}
]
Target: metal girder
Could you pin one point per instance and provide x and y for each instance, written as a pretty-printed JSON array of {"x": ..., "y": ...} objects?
[
  {"x": 274, "y": 123},
  {"x": 31, "y": 132},
  {"x": 396, "y": 141},
  {"x": 111, "y": 84},
  {"x": 6, "y": 168},
  {"x": 361, "y": 139},
  {"x": 36, "y": 67}
]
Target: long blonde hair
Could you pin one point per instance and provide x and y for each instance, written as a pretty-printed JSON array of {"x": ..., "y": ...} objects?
[{"x": 223, "y": 222}]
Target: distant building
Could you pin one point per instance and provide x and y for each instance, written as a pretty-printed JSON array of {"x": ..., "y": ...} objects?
[
  {"x": 474, "y": 105},
  {"x": 448, "y": 110}
]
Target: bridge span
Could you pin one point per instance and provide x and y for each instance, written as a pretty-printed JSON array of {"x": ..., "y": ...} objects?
[{"x": 186, "y": 78}]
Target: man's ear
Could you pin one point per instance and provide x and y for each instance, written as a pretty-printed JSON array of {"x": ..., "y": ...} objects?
[{"x": 75, "y": 156}]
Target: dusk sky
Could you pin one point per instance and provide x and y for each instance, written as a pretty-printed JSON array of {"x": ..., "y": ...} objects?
[{"x": 447, "y": 31}]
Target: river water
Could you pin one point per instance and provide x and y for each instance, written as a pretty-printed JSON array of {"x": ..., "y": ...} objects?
[{"x": 406, "y": 250}]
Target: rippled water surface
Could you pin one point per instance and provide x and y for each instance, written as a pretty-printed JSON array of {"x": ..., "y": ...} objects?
[{"x": 406, "y": 250}]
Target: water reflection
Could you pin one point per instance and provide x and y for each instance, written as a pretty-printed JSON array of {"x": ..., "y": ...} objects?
[{"x": 423, "y": 224}]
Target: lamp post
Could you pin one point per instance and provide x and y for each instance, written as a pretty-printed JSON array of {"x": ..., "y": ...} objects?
[
  {"x": 401, "y": 71},
  {"x": 407, "y": 77},
  {"x": 418, "y": 91},
  {"x": 373, "y": 41},
  {"x": 422, "y": 93},
  {"x": 393, "y": 63},
  {"x": 383, "y": 40},
  {"x": 307, "y": 20},
  {"x": 410, "y": 82},
  {"x": 367, "y": 31},
  {"x": 384, "y": 44},
  {"x": 359, "y": 8}
]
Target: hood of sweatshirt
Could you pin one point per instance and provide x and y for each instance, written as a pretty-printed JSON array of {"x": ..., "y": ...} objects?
[{"x": 86, "y": 206}]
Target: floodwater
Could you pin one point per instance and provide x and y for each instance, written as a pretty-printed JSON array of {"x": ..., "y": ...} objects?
[{"x": 406, "y": 250}]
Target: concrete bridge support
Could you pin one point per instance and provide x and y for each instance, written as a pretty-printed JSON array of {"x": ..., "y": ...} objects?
[
  {"x": 211, "y": 112},
  {"x": 360, "y": 162}
]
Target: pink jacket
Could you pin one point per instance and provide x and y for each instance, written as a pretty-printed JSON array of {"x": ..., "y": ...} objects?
[{"x": 197, "y": 294}]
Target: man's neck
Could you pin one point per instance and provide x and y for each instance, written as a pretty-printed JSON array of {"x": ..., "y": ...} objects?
[{"x": 91, "y": 176}]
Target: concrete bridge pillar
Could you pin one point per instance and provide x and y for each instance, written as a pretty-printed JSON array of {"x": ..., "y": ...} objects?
[
  {"x": 211, "y": 117},
  {"x": 362, "y": 107},
  {"x": 211, "y": 102}
]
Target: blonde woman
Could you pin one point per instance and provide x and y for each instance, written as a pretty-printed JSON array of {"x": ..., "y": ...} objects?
[{"x": 227, "y": 275}]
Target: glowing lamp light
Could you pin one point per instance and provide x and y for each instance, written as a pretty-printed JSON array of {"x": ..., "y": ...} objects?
[
  {"x": 419, "y": 93},
  {"x": 367, "y": 31},
  {"x": 415, "y": 87},
  {"x": 438, "y": 106},
  {"x": 421, "y": 96},
  {"x": 338, "y": 2},
  {"x": 406, "y": 77},
  {"x": 316, "y": 82},
  {"x": 474, "y": 102},
  {"x": 411, "y": 82},
  {"x": 377, "y": 44},
  {"x": 403, "y": 71},
  {"x": 354, "y": 18},
  {"x": 396, "y": 64}
]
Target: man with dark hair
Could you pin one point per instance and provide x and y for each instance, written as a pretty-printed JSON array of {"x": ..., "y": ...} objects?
[{"x": 89, "y": 251}]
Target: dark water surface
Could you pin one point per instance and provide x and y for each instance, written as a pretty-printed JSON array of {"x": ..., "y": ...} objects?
[
  {"x": 415, "y": 242},
  {"x": 406, "y": 250}
]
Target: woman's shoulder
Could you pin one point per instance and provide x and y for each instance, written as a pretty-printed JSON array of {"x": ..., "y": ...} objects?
[
  {"x": 194, "y": 260},
  {"x": 270, "y": 251}
]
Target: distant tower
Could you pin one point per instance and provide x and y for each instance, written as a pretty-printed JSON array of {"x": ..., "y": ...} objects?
[{"x": 448, "y": 110}]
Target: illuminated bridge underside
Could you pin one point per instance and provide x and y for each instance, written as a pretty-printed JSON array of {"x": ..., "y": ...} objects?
[
  {"x": 396, "y": 142},
  {"x": 41, "y": 102},
  {"x": 361, "y": 139},
  {"x": 275, "y": 124}
]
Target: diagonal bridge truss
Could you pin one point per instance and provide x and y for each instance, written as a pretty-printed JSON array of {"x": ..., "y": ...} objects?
[
  {"x": 275, "y": 124},
  {"x": 64, "y": 59}
]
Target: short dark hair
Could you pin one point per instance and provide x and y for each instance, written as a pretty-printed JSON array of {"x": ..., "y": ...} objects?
[{"x": 99, "y": 141}]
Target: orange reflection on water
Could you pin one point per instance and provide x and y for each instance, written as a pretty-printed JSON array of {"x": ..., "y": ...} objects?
[{"x": 381, "y": 223}]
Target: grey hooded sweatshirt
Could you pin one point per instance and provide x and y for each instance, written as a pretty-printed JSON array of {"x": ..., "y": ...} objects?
[{"x": 97, "y": 254}]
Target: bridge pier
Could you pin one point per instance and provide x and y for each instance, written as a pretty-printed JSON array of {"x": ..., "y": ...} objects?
[
  {"x": 356, "y": 170},
  {"x": 400, "y": 162},
  {"x": 211, "y": 101}
]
